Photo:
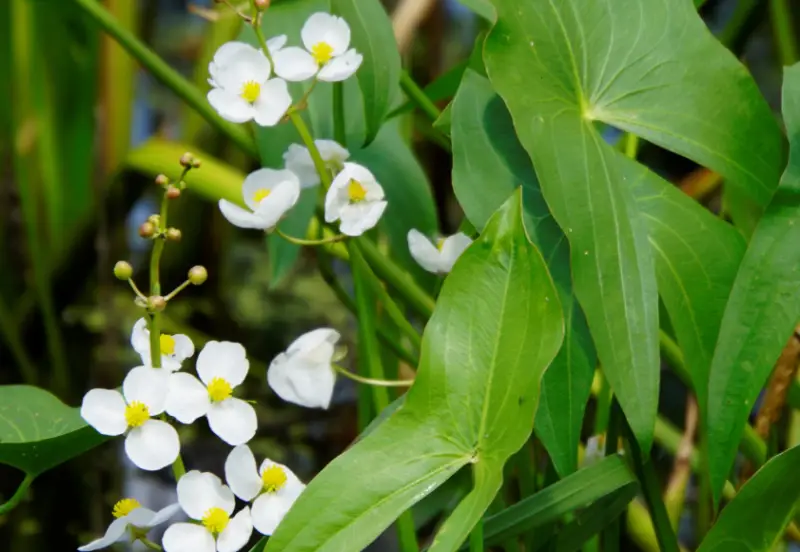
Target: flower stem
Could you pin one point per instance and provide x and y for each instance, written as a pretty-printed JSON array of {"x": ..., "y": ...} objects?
[
  {"x": 136, "y": 289},
  {"x": 371, "y": 381},
  {"x": 476, "y": 537},
  {"x": 308, "y": 140},
  {"x": 418, "y": 96},
  {"x": 18, "y": 495},
  {"x": 301, "y": 241},
  {"x": 177, "y": 290},
  {"x": 256, "y": 23},
  {"x": 149, "y": 544}
]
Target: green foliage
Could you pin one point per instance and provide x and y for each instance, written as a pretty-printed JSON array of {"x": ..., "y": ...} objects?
[{"x": 473, "y": 401}]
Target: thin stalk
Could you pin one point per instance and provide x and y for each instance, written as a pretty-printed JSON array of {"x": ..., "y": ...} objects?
[
  {"x": 18, "y": 495},
  {"x": 150, "y": 544},
  {"x": 781, "y": 17},
  {"x": 256, "y": 23},
  {"x": 418, "y": 96},
  {"x": 339, "y": 132},
  {"x": 167, "y": 75},
  {"x": 371, "y": 381},
  {"x": 136, "y": 289},
  {"x": 177, "y": 290},
  {"x": 476, "y": 537},
  {"x": 302, "y": 241},
  {"x": 308, "y": 140}
]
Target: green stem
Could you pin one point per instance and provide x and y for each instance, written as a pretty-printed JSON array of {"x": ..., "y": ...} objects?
[
  {"x": 418, "y": 96},
  {"x": 476, "y": 537},
  {"x": 167, "y": 75},
  {"x": 371, "y": 381},
  {"x": 302, "y": 241},
  {"x": 18, "y": 495},
  {"x": 339, "y": 131},
  {"x": 631, "y": 145},
  {"x": 394, "y": 312},
  {"x": 149, "y": 544},
  {"x": 136, "y": 289},
  {"x": 177, "y": 290},
  {"x": 308, "y": 140},
  {"x": 781, "y": 17}
]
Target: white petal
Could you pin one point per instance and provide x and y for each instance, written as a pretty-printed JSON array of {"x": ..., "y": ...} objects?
[
  {"x": 360, "y": 217},
  {"x": 316, "y": 345},
  {"x": 341, "y": 67},
  {"x": 115, "y": 532},
  {"x": 184, "y": 348},
  {"x": 336, "y": 199},
  {"x": 188, "y": 537},
  {"x": 230, "y": 106},
  {"x": 324, "y": 27},
  {"x": 424, "y": 252},
  {"x": 330, "y": 151},
  {"x": 274, "y": 207},
  {"x": 275, "y": 43},
  {"x": 272, "y": 104},
  {"x": 298, "y": 160},
  {"x": 261, "y": 179},
  {"x": 307, "y": 384},
  {"x": 187, "y": 398},
  {"x": 293, "y": 486},
  {"x": 241, "y": 473},
  {"x": 240, "y": 217},
  {"x": 153, "y": 445},
  {"x": 164, "y": 514},
  {"x": 198, "y": 492},
  {"x": 104, "y": 410},
  {"x": 269, "y": 510},
  {"x": 233, "y": 420},
  {"x": 140, "y": 517},
  {"x": 237, "y": 532},
  {"x": 452, "y": 248},
  {"x": 223, "y": 359},
  {"x": 227, "y": 53},
  {"x": 295, "y": 64},
  {"x": 248, "y": 65},
  {"x": 140, "y": 340},
  {"x": 148, "y": 386}
]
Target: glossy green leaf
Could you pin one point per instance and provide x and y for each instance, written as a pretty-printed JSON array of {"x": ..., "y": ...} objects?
[
  {"x": 592, "y": 520},
  {"x": 756, "y": 517},
  {"x": 473, "y": 402},
  {"x": 563, "y": 66},
  {"x": 763, "y": 309},
  {"x": 373, "y": 37},
  {"x": 486, "y": 150},
  {"x": 38, "y": 431}
]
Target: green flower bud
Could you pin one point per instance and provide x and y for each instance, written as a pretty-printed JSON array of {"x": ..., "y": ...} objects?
[
  {"x": 162, "y": 180},
  {"x": 196, "y": 163},
  {"x": 186, "y": 159},
  {"x": 173, "y": 192},
  {"x": 123, "y": 271},
  {"x": 198, "y": 275},
  {"x": 173, "y": 234},
  {"x": 147, "y": 230},
  {"x": 156, "y": 303}
]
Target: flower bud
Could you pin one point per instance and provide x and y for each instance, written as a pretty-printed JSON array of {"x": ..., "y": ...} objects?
[
  {"x": 173, "y": 192},
  {"x": 155, "y": 220},
  {"x": 173, "y": 234},
  {"x": 198, "y": 275},
  {"x": 123, "y": 270},
  {"x": 186, "y": 159},
  {"x": 156, "y": 303},
  {"x": 147, "y": 229},
  {"x": 162, "y": 180},
  {"x": 262, "y": 4},
  {"x": 196, "y": 163}
]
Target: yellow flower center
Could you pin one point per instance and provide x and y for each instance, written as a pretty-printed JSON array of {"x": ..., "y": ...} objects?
[
  {"x": 219, "y": 390},
  {"x": 136, "y": 414},
  {"x": 215, "y": 520},
  {"x": 259, "y": 196},
  {"x": 439, "y": 243},
  {"x": 274, "y": 478},
  {"x": 356, "y": 192},
  {"x": 251, "y": 90},
  {"x": 125, "y": 507},
  {"x": 322, "y": 52},
  {"x": 167, "y": 344}
]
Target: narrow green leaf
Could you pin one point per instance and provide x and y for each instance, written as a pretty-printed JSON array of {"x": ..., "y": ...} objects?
[
  {"x": 39, "y": 432},
  {"x": 763, "y": 309},
  {"x": 756, "y": 517},
  {"x": 473, "y": 401},
  {"x": 373, "y": 37}
]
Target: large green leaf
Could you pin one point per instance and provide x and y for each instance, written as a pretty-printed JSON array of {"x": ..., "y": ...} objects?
[
  {"x": 38, "y": 431},
  {"x": 763, "y": 309},
  {"x": 562, "y": 66},
  {"x": 373, "y": 37},
  {"x": 486, "y": 150},
  {"x": 473, "y": 402},
  {"x": 756, "y": 517}
]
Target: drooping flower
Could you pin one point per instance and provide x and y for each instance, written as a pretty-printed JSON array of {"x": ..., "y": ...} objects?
[
  {"x": 303, "y": 374},
  {"x": 174, "y": 348},
  {"x": 272, "y": 488},
  {"x": 298, "y": 160},
  {"x": 221, "y": 365},
  {"x": 269, "y": 194},
  {"x": 326, "y": 39},
  {"x": 241, "y": 86},
  {"x": 356, "y": 199},
  {"x": 595, "y": 450},
  {"x": 205, "y": 499},
  {"x": 150, "y": 444},
  {"x": 438, "y": 258},
  {"x": 128, "y": 512}
]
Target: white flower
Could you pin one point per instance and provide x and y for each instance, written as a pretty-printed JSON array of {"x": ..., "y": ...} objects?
[
  {"x": 326, "y": 39},
  {"x": 150, "y": 444},
  {"x": 438, "y": 258},
  {"x": 298, "y": 160},
  {"x": 269, "y": 194},
  {"x": 221, "y": 367},
  {"x": 595, "y": 450},
  {"x": 273, "y": 486},
  {"x": 242, "y": 90},
  {"x": 174, "y": 348},
  {"x": 129, "y": 513},
  {"x": 204, "y": 498},
  {"x": 303, "y": 374},
  {"x": 355, "y": 198}
]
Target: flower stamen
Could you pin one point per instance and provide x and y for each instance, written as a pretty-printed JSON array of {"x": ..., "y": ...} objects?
[
  {"x": 274, "y": 478},
  {"x": 167, "y": 344},
  {"x": 356, "y": 191},
  {"x": 322, "y": 52},
  {"x": 439, "y": 243},
  {"x": 136, "y": 414},
  {"x": 261, "y": 194},
  {"x": 125, "y": 507},
  {"x": 219, "y": 390},
  {"x": 251, "y": 90},
  {"x": 216, "y": 520}
]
